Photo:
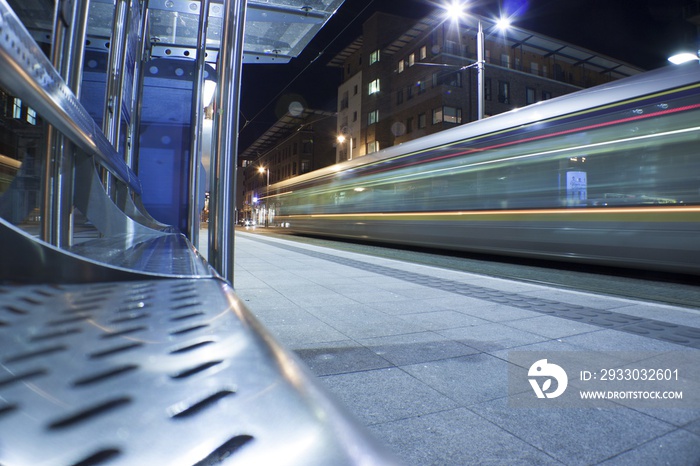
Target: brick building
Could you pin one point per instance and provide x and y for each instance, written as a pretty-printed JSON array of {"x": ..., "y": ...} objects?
[
  {"x": 404, "y": 79},
  {"x": 299, "y": 142}
]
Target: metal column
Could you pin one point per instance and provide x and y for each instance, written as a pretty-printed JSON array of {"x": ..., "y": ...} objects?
[
  {"x": 480, "y": 72},
  {"x": 69, "y": 32},
  {"x": 193, "y": 212},
  {"x": 224, "y": 152},
  {"x": 115, "y": 82}
]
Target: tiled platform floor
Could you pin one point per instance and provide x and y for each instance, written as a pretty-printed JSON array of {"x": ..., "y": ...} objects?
[{"x": 420, "y": 355}]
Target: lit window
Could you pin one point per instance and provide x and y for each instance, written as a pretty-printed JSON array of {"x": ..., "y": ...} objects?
[
  {"x": 372, "y": 147},
  {"x": 421, "y": 121},
  {"x": 401, "y": 66},
  {"x": 423, "y": 52},
  {"x": 529, "y": 96},
  {"x": 504, "y": 92},
  {"x": 452, "y": 115},
  {"x": 374, "y": 87},
  {"x": 17, "y": 109},
  {"x": 437, "y": 116},
  {"x": 31, "y": 116},
  {"x": 372, "y": 117},
  {"x": 374, "y": 57},
  {"x": 412, "y": 59}
]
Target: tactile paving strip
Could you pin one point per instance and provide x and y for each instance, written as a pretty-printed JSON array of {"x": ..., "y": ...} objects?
[
  {"x": 168, "y": 372},
  {"x": 658, "y": 330}
]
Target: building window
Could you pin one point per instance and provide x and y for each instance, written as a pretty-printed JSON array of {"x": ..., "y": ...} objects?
[
  {"x": 487, "y": 89},
  {"x": 423, "y": 54},
  {"x": 546, "y": 95},
  {"x": 452, "y": 47},
  {"x": 409, "y": 92},
  {"x": 437, "y": 116},
  {"x": 354, "y": 115},
  {"x": 412, "y": 59},
  {"x": 356, "y": 90},
  {"x": 307, "y": 146},
  {"x": 422, "y": 121},
  {"x": 305, "y": 166},
  {"x": 31, "y": 116},
  {"x": 421, "y": 87},
  {"x": 374, "y": 87},
  {"x": 505, "y": 60},
  {"x": 409, "y": 125},
  {"x": 453, "y": 78},
  {"x": 372, "y": 147},
  {"x": 399, "y": 97},
  {"x": 452, "y": 115},
  {"x": 374, "y": 57},
  {"x": 344, "y": 102},
  {"x": 401, "y": 66},
  {"x": 447, "y": 115},
  {"x": 535, "y": 68},
  {"x": 372, "y": 117},
  {"x": 529, "y": 96},
  {"x": 17, "y": 109},
  {"x": 504, "y": 92}
]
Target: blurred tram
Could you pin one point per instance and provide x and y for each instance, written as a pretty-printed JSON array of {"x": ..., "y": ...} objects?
[{"x": 609, "y": 175}]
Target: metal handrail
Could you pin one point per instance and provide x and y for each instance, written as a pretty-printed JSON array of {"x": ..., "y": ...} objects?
[{"x": 29, "y": 75}]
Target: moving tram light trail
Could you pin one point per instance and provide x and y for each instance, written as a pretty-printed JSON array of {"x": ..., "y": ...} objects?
[{"x": 609, "y": 175}]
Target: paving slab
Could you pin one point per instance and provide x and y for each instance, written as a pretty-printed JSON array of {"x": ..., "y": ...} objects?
[{"x": 422, "y": 356}]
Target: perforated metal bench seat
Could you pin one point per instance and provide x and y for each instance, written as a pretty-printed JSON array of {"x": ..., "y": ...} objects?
[{"x": 157, "y": 372}]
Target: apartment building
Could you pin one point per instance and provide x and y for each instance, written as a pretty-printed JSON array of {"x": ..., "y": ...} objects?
[
  {"x": 301, "y": 141},
  {"x": 404, "y": 79}
]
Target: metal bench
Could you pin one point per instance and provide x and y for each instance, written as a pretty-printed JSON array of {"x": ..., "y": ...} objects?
[{"x": 126, "y": 347}]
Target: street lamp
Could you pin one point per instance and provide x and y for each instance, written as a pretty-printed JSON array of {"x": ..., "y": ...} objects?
[
  {"x": 684, "y": 57},
  {"x": 455, "y": 11},
  {"x": 341, "y": 140},
  {"x": 262, "y": 170}
]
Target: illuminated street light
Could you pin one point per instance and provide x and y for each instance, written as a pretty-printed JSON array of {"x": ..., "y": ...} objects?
[
  {"x": 684, "y": 57},
  {"x": 456, "y": 10},
  {"x": 341, "y": 139},
  {"x": 262, "y": 170},
  {"x": 503, "y": 24}
]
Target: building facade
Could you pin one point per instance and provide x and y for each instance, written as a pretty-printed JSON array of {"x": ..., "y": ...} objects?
[
  {"x": 297, "y": 143},
  {"x": 404, "y": 79}
]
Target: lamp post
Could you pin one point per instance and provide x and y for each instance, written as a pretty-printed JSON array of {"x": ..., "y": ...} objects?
[
  {"x": 480, "y": 72},
  {"x": 341, "y": 140},
  {"x": 455, "y": 11},
  {"x": 262, "y": 170}
]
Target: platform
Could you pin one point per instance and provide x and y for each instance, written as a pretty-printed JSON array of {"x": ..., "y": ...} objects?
[{"x": 420, "y": 355}]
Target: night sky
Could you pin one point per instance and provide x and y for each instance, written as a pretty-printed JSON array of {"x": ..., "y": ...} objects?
[{"x": 641, "y": 32}]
